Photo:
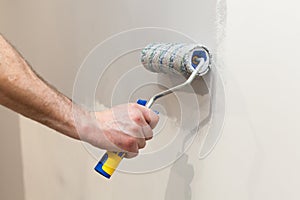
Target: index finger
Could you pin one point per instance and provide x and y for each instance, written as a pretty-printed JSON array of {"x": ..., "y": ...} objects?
[{"x": 150, "y": 116}]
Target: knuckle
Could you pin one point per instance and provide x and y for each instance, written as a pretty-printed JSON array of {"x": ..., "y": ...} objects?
[
  {"x": 135, "y": 130},
  {"x": 133, "y": 106},
  {"x": 137, "y": 118},
  {"x": 130, "y": 144}
]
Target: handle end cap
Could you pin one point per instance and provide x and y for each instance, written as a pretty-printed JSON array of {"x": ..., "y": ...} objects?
[{"x": 100, "y": 170}]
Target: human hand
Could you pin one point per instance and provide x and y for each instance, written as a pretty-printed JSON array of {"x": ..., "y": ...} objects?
[{"x": 123, "y": 128}]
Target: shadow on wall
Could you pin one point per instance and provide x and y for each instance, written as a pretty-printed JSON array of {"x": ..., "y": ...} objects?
[
  {"x": 181, "y": 172},
  {"x": 180, "y": 178}
]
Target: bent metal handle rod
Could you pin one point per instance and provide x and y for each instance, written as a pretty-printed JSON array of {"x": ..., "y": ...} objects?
[{"x": 175, "y": 88}]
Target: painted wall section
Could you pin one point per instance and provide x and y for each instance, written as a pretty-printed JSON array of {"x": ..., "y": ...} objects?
[{"x": 261, "y": 54}]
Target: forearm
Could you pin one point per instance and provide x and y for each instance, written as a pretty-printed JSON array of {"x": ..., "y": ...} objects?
[
  {"x": 24, "y": 92},
  {"x": 122, "y": 128}
]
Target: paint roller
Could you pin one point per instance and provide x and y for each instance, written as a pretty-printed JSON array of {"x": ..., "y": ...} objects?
[{"x": 187, "y": 59}]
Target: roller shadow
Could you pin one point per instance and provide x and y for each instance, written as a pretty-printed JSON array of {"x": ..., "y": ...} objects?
[
  {"x": 180, "y": 178},
  {"x": 182, "y": 173}
]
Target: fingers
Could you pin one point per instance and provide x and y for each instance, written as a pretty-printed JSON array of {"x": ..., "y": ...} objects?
[
  {"x": 128, "y": 143},
  {"x": 132, "y": 146},
  {"x": 130, "y": 155},
  {"x": 150, "y": 117},
  {"x": 125, "y": 128},
  {"x": 148, "y": 122},
  {"x": 147, "y": 132}
]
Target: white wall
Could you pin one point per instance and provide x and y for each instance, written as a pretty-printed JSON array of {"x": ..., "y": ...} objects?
[
  {"x": 257, "y": 156},
  {"x": 261, "y": 53}
]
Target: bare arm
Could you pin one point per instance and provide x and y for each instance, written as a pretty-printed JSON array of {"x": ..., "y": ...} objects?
[{"x": 23, "y": 91}]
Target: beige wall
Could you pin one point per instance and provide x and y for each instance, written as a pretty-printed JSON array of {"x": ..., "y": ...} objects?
[
  {"x": 55, "y": 36},
  {"x": 11, "y": 170},
  {"x": 258, "y": 154}
]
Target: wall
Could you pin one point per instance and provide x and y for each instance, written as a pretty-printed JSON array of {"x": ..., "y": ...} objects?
[
  {"x": 261, "y": 44},
  {"x": 11, "y": 173},
  {"x": 56, "y": 36},
  {"x": 257, "y": 156}
]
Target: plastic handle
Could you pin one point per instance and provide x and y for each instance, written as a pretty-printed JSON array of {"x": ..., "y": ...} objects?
[{"x": 111, "y": 160}]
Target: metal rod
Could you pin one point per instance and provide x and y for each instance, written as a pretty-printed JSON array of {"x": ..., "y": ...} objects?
[{"x": 171, "y": 90}]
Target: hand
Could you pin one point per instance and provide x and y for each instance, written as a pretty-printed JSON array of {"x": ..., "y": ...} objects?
[{"x": 122, "y": 128}]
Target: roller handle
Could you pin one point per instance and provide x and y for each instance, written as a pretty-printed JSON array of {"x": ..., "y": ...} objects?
[{"x": 110, "y": 160}]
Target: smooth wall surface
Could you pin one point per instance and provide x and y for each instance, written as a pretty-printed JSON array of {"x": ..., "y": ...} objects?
[
  {"x": 256, "y": 44},
  {"x": 11, "y": 170}
]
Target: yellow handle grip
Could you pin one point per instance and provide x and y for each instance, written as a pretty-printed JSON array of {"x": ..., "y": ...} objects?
[{"x": 109, "y": 162}]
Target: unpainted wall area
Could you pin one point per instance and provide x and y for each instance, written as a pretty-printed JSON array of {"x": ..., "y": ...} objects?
[
  {"x": 258, "y": 154},
  {"x": 11, "y": 170},
  {"x": 55, "y": 36}
]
